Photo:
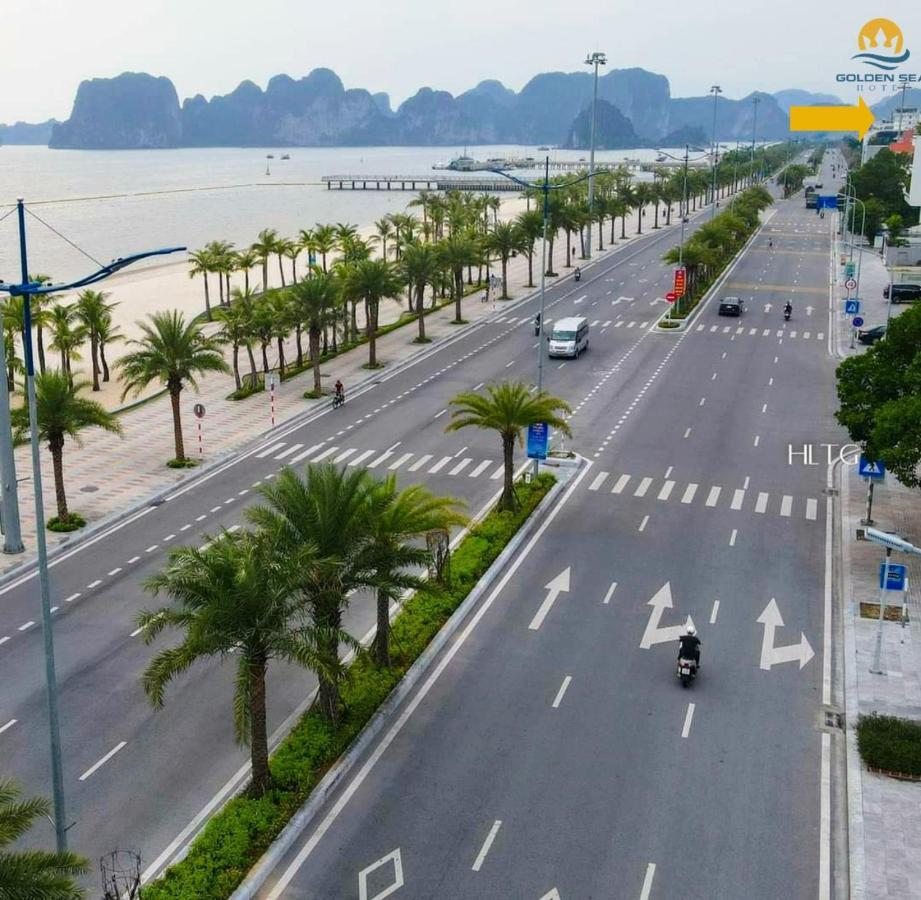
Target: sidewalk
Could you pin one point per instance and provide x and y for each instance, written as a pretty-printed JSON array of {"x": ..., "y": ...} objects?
[
  {"x": 884, "y": 813},
  {"x": 107, "y": 475}
]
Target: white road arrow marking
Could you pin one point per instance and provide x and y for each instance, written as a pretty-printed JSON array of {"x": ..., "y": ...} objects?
[
  {"x": 767, "y": 307},
  {"x": 554, "y": 894},
  {"x": 809, "y": 310},
  {"x": 770, "y": 655},
  {"x": 554, "y": 588},
  {"x": 391, "y": 888},
  {"x": 655, "y": 634}
]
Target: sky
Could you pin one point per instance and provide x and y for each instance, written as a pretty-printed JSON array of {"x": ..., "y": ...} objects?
[{"x": 209, "y": 46}]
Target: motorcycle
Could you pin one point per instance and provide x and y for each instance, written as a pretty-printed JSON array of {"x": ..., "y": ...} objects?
[
  {"x": 338, "y": 400},
  {"x": 687, "y": 671},
  {"x": 578, "y": 274},
  {"x": 786, "y": 314},
  {"x": 537, "y": 328}
]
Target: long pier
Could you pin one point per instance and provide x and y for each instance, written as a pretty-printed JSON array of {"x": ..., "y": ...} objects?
[{"x": 433, "y": 182}]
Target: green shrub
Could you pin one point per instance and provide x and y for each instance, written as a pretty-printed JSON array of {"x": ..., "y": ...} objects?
[
  {"x": 239, "y": 834},
  {"x": 182, "y": 463},
  {"x": 890, "y": 743},
  {"x": 74, "y": 521}
]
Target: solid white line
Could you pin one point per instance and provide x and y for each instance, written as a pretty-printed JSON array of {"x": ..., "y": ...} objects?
[
  {"x": 610, "y": 593},
  {"x": 481, "y": 856},
  {"x": 559, "y": 694},
  {"x": 102, "y": 761},
  {"x": 359, "y": 778},
  {"x": 643, "y": 523},
  {"x": 9, "y": 724},
  {"x": 647, "y": 881},
  {"x": 28, "y": 624},
  {"x": 825, "y": 818},
  {"x": 714, "y": 611},
  {"x": 732, "y": 537},
  {"x": 687, "y": 721}
]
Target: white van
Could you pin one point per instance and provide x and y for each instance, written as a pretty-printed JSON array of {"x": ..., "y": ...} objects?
[{"x": 569, "y": 337}]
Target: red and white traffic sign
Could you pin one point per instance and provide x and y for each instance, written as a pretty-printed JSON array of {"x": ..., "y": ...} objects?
[
  {"x": 671, "y": 296},
  {"x": 850, "y": 284}
]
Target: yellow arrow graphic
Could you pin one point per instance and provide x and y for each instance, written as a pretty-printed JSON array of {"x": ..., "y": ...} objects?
[{"x": 857, "y": 118}]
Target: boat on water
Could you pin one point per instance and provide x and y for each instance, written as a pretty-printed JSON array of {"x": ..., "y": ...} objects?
[
  {"x": 466, "y": 163},
  {"x": 270, "y": 156},
  {"x": 286, "y": 156},
  {"x": 661, "y": 158},
  {"x": 543, "y": 149}
]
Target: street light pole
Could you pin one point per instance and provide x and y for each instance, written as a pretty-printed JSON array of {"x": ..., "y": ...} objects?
[
  {"x": 593, "y": 59},
  {"x": 9, "y": 491},
  {"x": 755, "y": 102},
  {"x": 26, "y": 289},
  {"x": 716, "y": 90}
]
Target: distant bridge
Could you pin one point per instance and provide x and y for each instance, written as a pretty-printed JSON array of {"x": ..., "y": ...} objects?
[{"x": 434, "y": 182}]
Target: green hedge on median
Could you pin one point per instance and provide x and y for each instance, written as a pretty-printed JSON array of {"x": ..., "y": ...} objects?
[
  {"x": 240, "y": 833},
  {"x": 890, "y": 744}
]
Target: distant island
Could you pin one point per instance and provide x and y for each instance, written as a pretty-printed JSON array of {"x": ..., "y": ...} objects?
[{"x": 140, "y": 111}]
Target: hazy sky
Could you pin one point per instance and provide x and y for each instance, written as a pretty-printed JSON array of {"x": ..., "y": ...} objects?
[{"x": 208, "y": 47}]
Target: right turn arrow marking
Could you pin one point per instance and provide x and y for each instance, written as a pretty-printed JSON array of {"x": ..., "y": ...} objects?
[
  {"x": 654, "y": 634},
  {"x": 770, "y": 655}
]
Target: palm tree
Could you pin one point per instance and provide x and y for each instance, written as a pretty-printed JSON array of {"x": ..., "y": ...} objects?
[
  {"x": 236, "y": 330},
  {"x": 505, "y": 239},
  {"x": 508, "y": 408},
  {"x": 173, "y": 352},
  {"x": 531, "y": 226},
  {"x": 325, "y": 239},
  {"x": 66, "y": 338},
  {"x": 315, "y": 301},
  {"x": 91, "y": 311},
  {"x": 61, "y": 413},
  {"x": 291, "y": 250},
  {"x": 282, "y": 248},
  {"x": 13, "y": 314},
  {"x": 235, "y": 595},
  {"x": 33, "y": 874},
  {"x": 108, "y": 334},
  {"x": 39, "y": 307},
  {"x": 223, "y": 262},
  {"x": 202, "y": 263},
  {"x": 372, "y": 280},
  {"x": 262, "y": 320},
  {"x": 327, "y": 510},
  {"x": 398, "y": 520},
  {"x": 456, "y": 252},
  {"x": 420, "y": 266},
  {"x": 243, "y": 262},
  {"x": 277, "y": 302},
  {"x": 264, "y": 247},
  {"x": 384, "y": 228}
]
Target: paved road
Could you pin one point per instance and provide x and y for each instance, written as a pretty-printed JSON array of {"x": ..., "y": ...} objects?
[
  {"x": 135, "y": 778},
  {"x": 609, "y": 780}
]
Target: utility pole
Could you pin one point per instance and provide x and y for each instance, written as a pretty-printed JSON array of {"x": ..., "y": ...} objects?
[
  {"x": 716, "y": 90},
  {"x": 593, "y": 59},
  {"x": 755, "y": 102},
  {"x": 9, "y": 493}
]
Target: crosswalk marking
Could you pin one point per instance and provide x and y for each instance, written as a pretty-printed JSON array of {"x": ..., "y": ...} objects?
[
  {"x": 270, "y": 450},
  {"x": 345, "y": 455},
  {"x": 303, "y": 454},
  {"x": 498, "y": 473},
  {"x": 786, "y": 504},
  {"x": 399, "y": 462},
  {"x": 356, "y": 461},
  {"x": 479, "y": 469},
  {"x": 461, "y": 466},
  {"x": 666, "y": 491},
  {"x": 381, "y": 459},
  {"x": 806, "y": 335},
  {"x": 329, "y": 451},
  {"x": 440, "y": 464},
  {"x": 642, "y": 488},
  {"x": 292, "y": 449},
  {"x": 811, "y": 508},
  {"x": 737, "y": 499},
  {"x": 713, "y": 496},
  {"x": 761, "y": 503},
  {"x": 420, "y": 462},
  {"x": 767, "y": 332},
  {"x": 689, "y": 493},
  {"x": 598, "y": 481},
  {"x": 621, "y": 484}
]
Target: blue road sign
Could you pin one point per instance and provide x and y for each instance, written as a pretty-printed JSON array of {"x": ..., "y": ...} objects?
[
  {"x": 871, "y": 468},
  {"x": 897, "y": 577},
  {"x": 827, "y": 201},
  {"x": 538, "y": 438},
  {"x": 857, "y": 321},
  {"x": 852, "y": 307}
]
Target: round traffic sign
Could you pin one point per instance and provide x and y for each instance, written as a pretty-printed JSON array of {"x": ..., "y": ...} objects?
[
  {"x": 671, "y": 296},
  {"x": 857, "y": 321},
  {"x": 199, "y": 410},
  {"x": 850, "y": 284}
]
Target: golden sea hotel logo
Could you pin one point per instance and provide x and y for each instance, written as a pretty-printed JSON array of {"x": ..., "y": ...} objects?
[{"x": 882, "y": 50}]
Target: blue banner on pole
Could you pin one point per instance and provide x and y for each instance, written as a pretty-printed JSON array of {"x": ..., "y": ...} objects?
[
  {"x": 897, "y": 576},
  {"x": 538, "y": 440},
  {"x": 827, "y": 201}
]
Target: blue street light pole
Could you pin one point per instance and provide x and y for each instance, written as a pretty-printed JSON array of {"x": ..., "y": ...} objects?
[{"x": 26, "y": 289}]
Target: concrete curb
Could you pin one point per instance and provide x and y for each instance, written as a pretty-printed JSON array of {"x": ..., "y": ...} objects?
[
  {"x": 855, "y": 841},
  {"x": 685, "y": 324},
  {"x": 320, "y": 794}
]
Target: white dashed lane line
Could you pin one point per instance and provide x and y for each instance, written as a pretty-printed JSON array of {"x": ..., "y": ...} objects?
[
  {"x": 8, "y": 725},
  {"x": 97, "y": 765}
]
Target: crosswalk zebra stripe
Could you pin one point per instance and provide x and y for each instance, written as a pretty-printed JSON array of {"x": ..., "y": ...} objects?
[
  {"x": 713, "y": 496},
  {"x": 292, "y": 449},
  {"x": 358, "y": 460},
  {"x": 420, "y": 462},
  {"x": 498, "y": 473},
  {"x": 461, "y": 465},
  {"x": 761, "y": 503},
  {"x": 599, "y": 479},
  {"x": 737, "y": 499},
  {"x": 440, "y": 464},
  {"x": 329, "y": 451},
  {"x": 621, "y": 484},
  {"x": 786, "y": 505},
  {"x": 344, "y": 455},
  {"x": 303, "y": 454},
  {"x": 270, "y": 450},
  {"x": 381, "y": 459},
  {"x": 399, "y": 462},
  {"x": 666, "y": 491},
  {"x": 811, "y": 508},
  {"x": 479, "y": 469},
  {"x": 642, "y": 488},
  {"x": 689, "y": 493}
]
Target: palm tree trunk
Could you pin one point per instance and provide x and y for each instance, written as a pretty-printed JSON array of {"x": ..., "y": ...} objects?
[
  {"x": 281, "y": 270},
  {"x": 57, "y": 460},
  {"x": 102, "y": 359},
  {"x": 623, "y": 227},
  {"x": 236, "y": 366},
  {"x": 508, "y": 501},
  {"x": 252, "y": 361},
  {"x": 265, "y": 357},
  {"x": 530, "y": 283},
  {"x": 94, "y": 351},
  {"x": 281, "y": 357},
  {"x": 220, "y": 288},
  {"x": 330, "y": 622},
  {"x": 371, "y": 316},
  {"x": 259, "y": 741},
  {"x": 550, "y": 242},
  {"x": 246, "y": 280},
  {"x": 354, "y": 320},
  {"x": 568, "y": 249},
  {"x": 207, "y": 298},
  {"x": 505, "y": 278},
  {"x": 265, "y": 274},
  {"x": 300, "y": 350},
  {"x": 458, "y": 293},
  {"x": 313, "y": 349},
  {"x": 613, "y": 224},
  {"x": 639, "y": 220},
  {"x": 41, "y": 348},
  {"x": 655, "y": 208},
  {"x": 382, "y": 637},
  {"x": 177, "y": 422},
  {"x": 420, "y": 311}
]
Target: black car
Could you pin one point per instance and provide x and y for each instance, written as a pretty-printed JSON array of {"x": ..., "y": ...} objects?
[
  {"x": 903, "y": 293},
  {"x": 731, "y": 306},
  {"x": 871, "y": 335}
]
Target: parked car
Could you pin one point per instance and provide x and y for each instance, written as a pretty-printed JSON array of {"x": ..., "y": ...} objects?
[
  {"x": 903, "y": 292},
  {"x": 732, "y": 306},
  {"x": 871, "y": 335}
]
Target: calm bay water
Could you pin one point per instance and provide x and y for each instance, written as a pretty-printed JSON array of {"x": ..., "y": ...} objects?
[{"x": 112, "y": 203}]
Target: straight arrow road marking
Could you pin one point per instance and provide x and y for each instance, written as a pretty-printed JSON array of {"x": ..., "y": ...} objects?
[
  {"x": 554, "y": 589},
  {"x": 654, "y": 634},
  {"x": 552, "y": 894},
  {"x": 800, "y": 652}
]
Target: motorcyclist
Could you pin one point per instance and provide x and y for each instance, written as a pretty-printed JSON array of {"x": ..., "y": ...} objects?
[
  {"x": 339, "y": 389},
  {"x": 578, "y": 273},
  {"x": 689, "y": 645},
  {"x": 788, "y": 309},
  {"x": 771, "y": 242},
  {"x": 537, "y": 324}
]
